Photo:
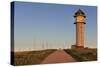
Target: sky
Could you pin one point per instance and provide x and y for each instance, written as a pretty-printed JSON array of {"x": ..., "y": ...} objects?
[{"x": 44, "y": 26}]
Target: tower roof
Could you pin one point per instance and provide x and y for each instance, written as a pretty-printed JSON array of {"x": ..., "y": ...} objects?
[{"x": 79, "y": 12}]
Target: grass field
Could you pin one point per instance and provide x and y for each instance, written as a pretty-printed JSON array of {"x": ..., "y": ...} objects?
[
  {"x": 31, "y": 57},
  {"x": 85, "y": 54},
  {"x": 36, "y": 57}
]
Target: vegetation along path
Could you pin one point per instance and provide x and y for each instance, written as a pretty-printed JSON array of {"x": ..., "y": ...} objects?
[{"x": 58, "y": 56}]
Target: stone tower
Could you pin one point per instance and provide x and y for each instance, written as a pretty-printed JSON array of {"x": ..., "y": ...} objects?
[{"x": 79, "y": 22}]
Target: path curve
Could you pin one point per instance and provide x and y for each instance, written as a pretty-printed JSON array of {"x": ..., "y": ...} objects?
[{"x": 59, "y": 56}]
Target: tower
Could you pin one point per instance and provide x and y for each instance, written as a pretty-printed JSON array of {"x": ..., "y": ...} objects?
[{"x": 79, "y": 22}]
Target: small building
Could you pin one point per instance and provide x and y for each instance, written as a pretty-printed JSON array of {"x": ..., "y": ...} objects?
[{"x": 73, "y": 46}]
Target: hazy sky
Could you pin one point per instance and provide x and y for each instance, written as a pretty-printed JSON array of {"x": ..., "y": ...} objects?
[{"x": 39, "y": 26}]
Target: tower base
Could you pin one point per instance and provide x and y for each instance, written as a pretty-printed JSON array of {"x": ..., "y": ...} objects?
[
  {"x": 79, "y": 46},
  {"x": 75, "y": 46}
]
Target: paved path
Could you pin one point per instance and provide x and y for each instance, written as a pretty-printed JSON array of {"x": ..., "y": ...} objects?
[{"x": 58, "y": 56}]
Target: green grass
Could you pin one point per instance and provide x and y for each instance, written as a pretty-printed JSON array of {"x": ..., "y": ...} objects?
[
  {"x": 83, "y": 54},
  {"x": 31, "y": 57}
]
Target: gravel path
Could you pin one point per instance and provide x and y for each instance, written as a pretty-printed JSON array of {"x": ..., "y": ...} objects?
[{"x": 58, "y": 56}]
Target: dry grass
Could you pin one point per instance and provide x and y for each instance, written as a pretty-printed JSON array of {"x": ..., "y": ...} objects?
[
  {"x": 83, "y": 54},
  {"x": 36, "y": 57},
  {"x": 31, "y": 57}
]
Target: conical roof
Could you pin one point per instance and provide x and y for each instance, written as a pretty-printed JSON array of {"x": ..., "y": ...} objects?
[{"x": 79, "y": 12}]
